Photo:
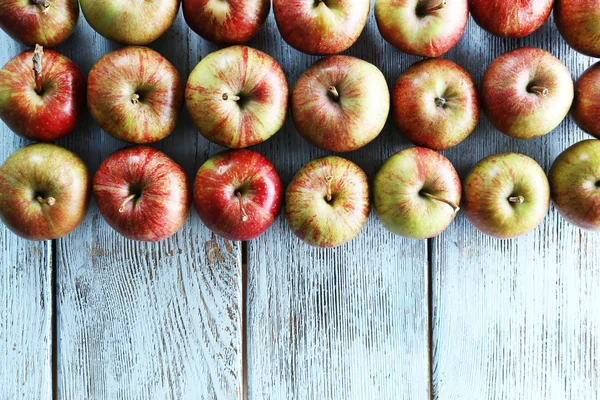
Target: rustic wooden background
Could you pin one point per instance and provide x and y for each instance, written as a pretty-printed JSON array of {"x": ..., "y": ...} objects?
[{"x": 462, "y": 316}]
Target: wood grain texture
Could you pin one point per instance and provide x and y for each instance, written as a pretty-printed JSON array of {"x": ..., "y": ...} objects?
[
  {"x": 350, "y": 322},
  {"x": 516, "y": 319},
  {"x": 25, "y": 294},
  {"x": 138, "y": 320}
]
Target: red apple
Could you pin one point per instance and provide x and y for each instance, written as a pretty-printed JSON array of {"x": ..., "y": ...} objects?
[
  {"x": 237, "y": 194},
  {"x": 327, "y": 202},
  {"x": 427, "y": 28},
  {"x": 237, "y": 97},
  {"x": 579, "y": 24},
  {"x": 43, "y": 22},
  {"x": 510, "y": 18},
  {"x": 435, "y": 104},
  {"x": 130, "y": 22},
  {"x": 417, "y": 193},
  {"x": 527, "y": 92},
  {"x": 142, "y": 193},
  {"x": 226, "y": 22},
  {"x": 586, "y": 107},
  {"x": 44, "y": 192},
  {"x": 321, "y": 26},
  {"x": 42, "y": 95},
  {"x": 135, "y": 95},
  {"x": 340, "y": 103}
]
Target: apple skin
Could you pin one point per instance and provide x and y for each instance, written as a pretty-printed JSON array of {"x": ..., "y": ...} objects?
[
  {"x": 327, "y": 223},
  {"x": 48, "y": 116},
  {"x": 31, "y": 22},
  {"x": 405, "y": 25},
  {"x": 435, "y": 104},
  {"x": 575, "y": 184},
  {"x": 135, "y": 95},
  {"x": 44, "y": 191},
  {"x": 346, "y": 122},
  {"x": 513, "y": 93},
  {"x": 586, "y": 106},
  {"x": 401, "y": 191},
  {"x": 226, "y": 22},
  {"x": 510, "y": 18},
  {"x": 130, "y": 22},
  {"x": 492, "y": 183},
  {"x": 142, "y": 193},
  {"x": 578, "y": 22},
  {"x": 237, "y": 71},
  {"x": 321, "y": 27},
  {"x": 222, "y": 178}
]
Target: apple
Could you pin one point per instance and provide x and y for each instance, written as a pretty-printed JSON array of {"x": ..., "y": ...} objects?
[
  {"x": 435, "y": 104},
  {"x": 226, "y": 22},
  {"x": 321, "y": 27},
  {"x": 130, "y": 22},
  {"x": 427, "y": 28},
  {"x": 142, "y": 193},
  {"x": 135, "y": 95},
  {"x": 575, "y": 184},
  {"x": 526, "y": 93},
  {"x": 417, "y": 193},
  {"x": 586, "y": 106},
  {"x": 327, "y": 202},
  {"x": 506, "y": 195},
  {"x": 510, "y": 18},
  {"x": 237, "y": 97},
  {"x": 44, "y": 22},
  {"x": 578, "y": 22},
  {"x": 340, "y": 103},
  {"x": 42, "y": 95},
  {"x": 237, "y": 194},
  {"x": 44, "y": 191}
]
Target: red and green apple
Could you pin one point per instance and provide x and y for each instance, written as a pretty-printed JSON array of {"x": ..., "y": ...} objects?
[
  {"x": 510, "y": 18},
  {"x": 578, "y": 22},
  {"x": 586, "y": 106}
]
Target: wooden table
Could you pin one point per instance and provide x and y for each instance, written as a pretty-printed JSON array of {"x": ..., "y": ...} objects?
[{"x": 462, "y": 316}]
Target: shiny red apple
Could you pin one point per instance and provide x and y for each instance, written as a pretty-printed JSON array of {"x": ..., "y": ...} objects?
[
  {"x": 42, "y": 95},
  {"x": 226, "y": 22},
  {"x": 142, "y": 193},
  {"x": 44, "y": 192},
  {"x": 579, "y": 24},
  {"x": 135, "y": 95},
  {"x": 44, "y": 22},
  {"x": 586, "y": 106},
  {"x": 510, "y": 18},
  {"x": 237, "y": 194}
]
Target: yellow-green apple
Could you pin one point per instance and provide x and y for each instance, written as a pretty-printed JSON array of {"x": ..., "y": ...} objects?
[
  {"x": 42, "y": 95},
  {"x": 578, "y": 22},
  {"x": 43, "y": 22},
  {"x": 237, "y": 97},
  {"x": 130, "y": 22},
  {"x": 340, "y": 103},
  {"x": 586, "y": 106},
  {"x": 327, "y": 202},
  {"x": 510, "y": 18},
  {"x": 237, "y": 194},
  {"x": 527, "y": 92},
  {"x": 417, "y": 193},
  {"x": 575, "y": 184},
  {"x": 135, "y": 95},
  {"x": 226, "y": 22},
  {"x": 44, "y": 191},
  {"x": 427, "y": 28},
  {"x": 142, "y": 193},
  {"x": 506, "y": 195},
  {"x": 435, "y": 104},
  {"x": 321, "y": 27}
]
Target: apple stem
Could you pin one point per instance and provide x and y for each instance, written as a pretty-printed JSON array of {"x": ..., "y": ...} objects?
[
  {"x": 540, "y": 90},
  {"x": 127, "y": 200},
  {"x": 46, "y": 200},
  {"x": 242, "y": 210},
  {"x": 38, "y": 54},
  {"x": 440, "y": 102},
  {"x": 516, "y": 199},
  {"x": 135, "y": 98},
  {"x": 45, "y": 4},
  {"x": 450, "y": 203},
  {"x": 334, "y": 92},
  {"x": 435, "y": 8},
  {"x": 328, "y": 181},
  {"x": 231, "y": 97}
]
